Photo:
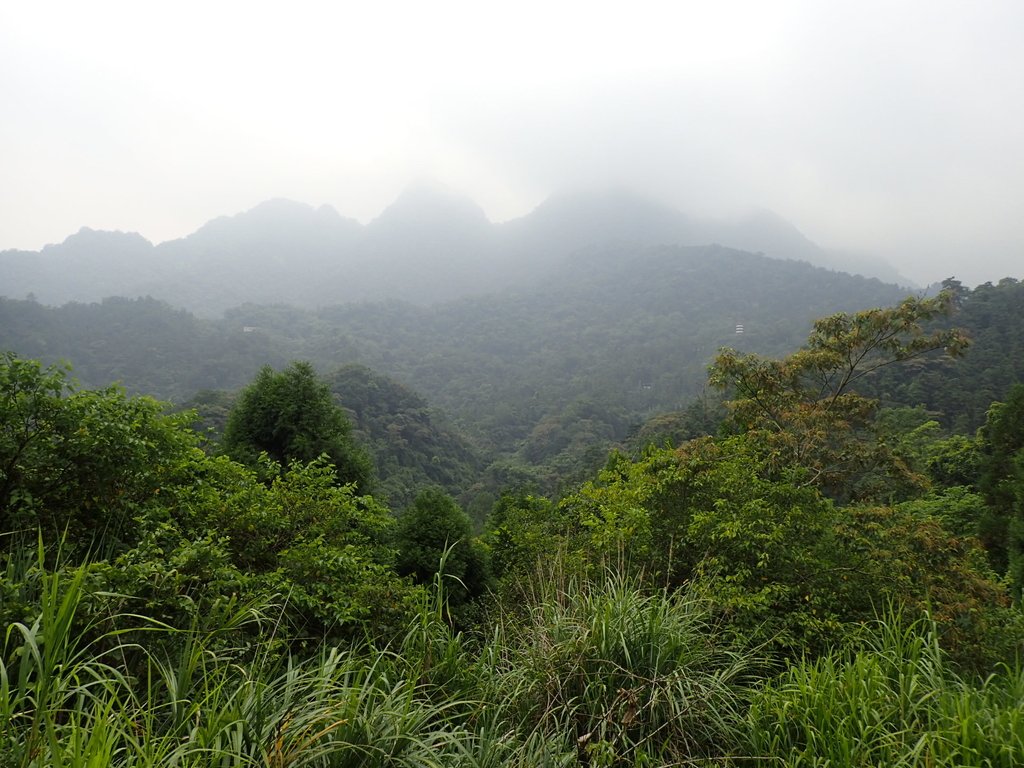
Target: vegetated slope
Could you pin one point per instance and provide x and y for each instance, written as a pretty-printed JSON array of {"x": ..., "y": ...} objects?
[
  {"x": 145, "y": 344},
  {"x": 551, "y": 375},
  {"x": 960, "y": 392},
  {"x": 429, "y": 246},
  {"x": 630, "y": 330},
  {"x": 412, "y": 447}
]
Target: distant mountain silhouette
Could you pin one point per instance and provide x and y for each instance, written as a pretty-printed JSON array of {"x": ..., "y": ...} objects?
[
  {"x": 87, "y": 266},
  {"x": 429, "y": 246}
]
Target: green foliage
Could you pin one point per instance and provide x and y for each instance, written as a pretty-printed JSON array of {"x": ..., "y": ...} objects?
[
  {"x": 780, "y": 562},
  {"x": 959, "y": 510},
  {"x": 630, "y": 677},
  {"x": 211, "y": 408},
  {"x": 701, "y": 418},
  {"x": 904, "y": 556},
  {"x": 47, "y": 674},
  {"x": 172, "y": 530},
  {"x": 601, "y": 672},
  {"x": 1002, "y": 483},
  {"x": 412, "y": 447},
  {"x": 568, "y": 445},
  {"x": 804, "y": 407},
  {"x": 523, "y": 531},
  {"x": 84, "y": 463},
  {"x": 896, "y": 703},
  {"x": 435, "y": 538},
  {"x": 960, "y": 391},
  {"x": 317, "y": 548},
  {"x": 291, "y": 416},
  {"x": 910, "y": 434},
  {"x": 763, "y": 547},
  {"x": 954, "y": 461},
  {"x": 68, "y": 701},
  {"x": 1002, "y": 439}
]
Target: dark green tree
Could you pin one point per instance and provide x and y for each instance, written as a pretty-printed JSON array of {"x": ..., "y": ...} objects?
[
  {"x": 1002, "y": 484},
  {"x": 436, "y": 536},
  {"x": 291, "y": 416}
]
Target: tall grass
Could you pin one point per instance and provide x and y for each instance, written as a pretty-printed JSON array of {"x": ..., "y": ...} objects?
[
  {"x": 50, "y": 679},
  {"x": 897, "y": 703},
  {"x": 622, "y": 675},
  {"x": 68, "y": 699},
  {"x": 595, "y": 673}
]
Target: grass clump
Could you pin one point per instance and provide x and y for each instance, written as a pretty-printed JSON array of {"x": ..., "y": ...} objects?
[
  {"x": 898, "y": 702},
  {"x": 622, "y": 675}
]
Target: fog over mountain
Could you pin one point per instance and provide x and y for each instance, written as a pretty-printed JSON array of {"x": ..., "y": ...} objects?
[
  {"x": 878, "y": 128},
  {"x": 429, "y": 245}
]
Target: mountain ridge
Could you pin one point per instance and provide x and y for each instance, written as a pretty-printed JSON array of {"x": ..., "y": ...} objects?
[{"x": 430, "y": 245}]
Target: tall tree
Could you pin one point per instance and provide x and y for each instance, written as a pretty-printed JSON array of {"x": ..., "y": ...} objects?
[
  {"x": 806, "y": 406},
  {"x": 291, "y": 416}
]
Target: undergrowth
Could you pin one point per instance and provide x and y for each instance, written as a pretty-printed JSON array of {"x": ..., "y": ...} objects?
[{"x": 590, "y": 673}]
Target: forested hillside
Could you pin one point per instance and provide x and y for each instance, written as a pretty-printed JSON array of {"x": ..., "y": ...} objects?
[
  {"x": 411, "y": 445},
  {"x": 958, "y": 393},
  {"x": 541, "y": 382},
  {"x": 547, "y": 377}
]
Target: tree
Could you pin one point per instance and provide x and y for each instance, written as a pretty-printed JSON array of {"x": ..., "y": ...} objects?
[
  {"x": 290, "y": 415},
  {"x": 805, "y": 407},
  {"x": 1002, "y": 484},
  {"x": 80, "y": 465},
  {"x": 436, "y": 536}
]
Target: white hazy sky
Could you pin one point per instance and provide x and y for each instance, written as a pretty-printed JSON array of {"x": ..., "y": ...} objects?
[{"x": 890, "y": 127}]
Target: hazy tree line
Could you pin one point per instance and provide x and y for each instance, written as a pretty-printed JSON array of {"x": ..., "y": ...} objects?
[{"x": 476, "y": 394}]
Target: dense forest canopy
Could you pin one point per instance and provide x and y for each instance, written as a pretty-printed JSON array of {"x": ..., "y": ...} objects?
[{"x": 546, "y": 380}]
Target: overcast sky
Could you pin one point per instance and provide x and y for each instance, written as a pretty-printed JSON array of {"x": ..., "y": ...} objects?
[{"x": 895, "y": 128}]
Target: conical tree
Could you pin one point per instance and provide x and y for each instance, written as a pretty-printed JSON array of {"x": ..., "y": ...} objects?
[{"x": 291, "y": 416}]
